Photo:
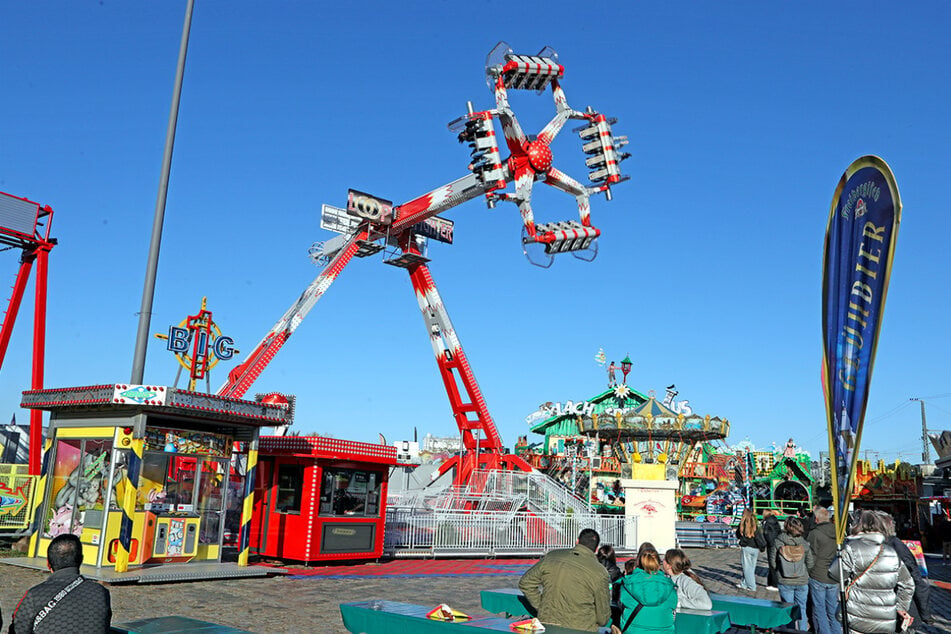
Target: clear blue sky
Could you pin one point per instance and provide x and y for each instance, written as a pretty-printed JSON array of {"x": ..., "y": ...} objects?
[{"x": 742, "y": 117}]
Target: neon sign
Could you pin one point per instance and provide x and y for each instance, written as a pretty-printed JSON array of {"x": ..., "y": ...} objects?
[{"x": 198, "y": 344}]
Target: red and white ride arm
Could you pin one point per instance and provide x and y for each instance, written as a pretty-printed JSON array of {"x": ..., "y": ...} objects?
[{"x": 244, "y": 375}]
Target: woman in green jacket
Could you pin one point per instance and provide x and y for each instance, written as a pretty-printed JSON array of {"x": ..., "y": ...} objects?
[{"x": 648, "y": 587}]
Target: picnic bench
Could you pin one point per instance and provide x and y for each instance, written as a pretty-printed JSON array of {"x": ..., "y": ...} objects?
[
  {"x": 512, "y": 602},
  {"x": 170, "y": 624},
  {"x": 393, "y": 617},
  {"x": 755, "y": 613}
]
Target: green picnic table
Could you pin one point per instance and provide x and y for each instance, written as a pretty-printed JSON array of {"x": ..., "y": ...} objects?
[
  {"x": 512, "y": 602},
  {"x": 171, "y": 624},
  {"x": 755, "y": 613},
  {"x": 393, "y": 617}
]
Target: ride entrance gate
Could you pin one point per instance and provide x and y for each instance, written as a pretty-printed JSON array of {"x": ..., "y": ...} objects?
[{"x": 155, "y": 481}]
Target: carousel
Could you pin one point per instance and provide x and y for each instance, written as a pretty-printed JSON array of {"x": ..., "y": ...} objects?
[{"x": 619, "y": 434}]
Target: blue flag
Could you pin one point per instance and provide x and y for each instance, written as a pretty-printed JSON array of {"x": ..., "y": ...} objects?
[{"x": 859, "y": 246}]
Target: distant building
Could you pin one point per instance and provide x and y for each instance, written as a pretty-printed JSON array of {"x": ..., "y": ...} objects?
[{"x": 448, "y": 444}]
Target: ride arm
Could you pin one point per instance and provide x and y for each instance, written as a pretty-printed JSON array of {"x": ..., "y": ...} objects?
[
  {"x": 454, "y": 368},
  {"x": 243, "y": 376},
  {"x": 436, "y": 201}
]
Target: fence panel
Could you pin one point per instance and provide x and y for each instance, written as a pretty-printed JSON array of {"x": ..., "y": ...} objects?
[
  {"x": 16, "y": 497},
  {"x": 417, "y": 532}
]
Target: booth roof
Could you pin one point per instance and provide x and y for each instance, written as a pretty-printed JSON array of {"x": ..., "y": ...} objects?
[
  {"x": 110, "y": 397},
  {"x": 333, "y": 448}
]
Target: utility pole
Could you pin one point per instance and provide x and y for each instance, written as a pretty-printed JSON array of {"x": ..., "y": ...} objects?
[{"x": 925, "y": 450}]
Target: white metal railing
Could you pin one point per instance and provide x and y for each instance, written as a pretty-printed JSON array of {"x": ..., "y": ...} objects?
[
  {"x": 412, "y": 532},
  {"x": 542, "y": 494}
]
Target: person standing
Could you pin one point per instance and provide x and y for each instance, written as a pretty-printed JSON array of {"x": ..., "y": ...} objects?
[
  {"x": 879, "y": 588},
  {"x": 752, "y": 542},
  {"x": 648, "y": 598},
  {"x": 569, "y": 587},
  {"x": 920, "y": 607},
  {"x": 66, "y": 601},
  {"x": 771, "y": 530},
  {"x": 823, "y": 589},
  {"x": 792, "y": 559}
]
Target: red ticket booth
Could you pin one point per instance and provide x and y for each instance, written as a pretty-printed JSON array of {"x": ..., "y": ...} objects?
[{"x": 319, "y": 499}]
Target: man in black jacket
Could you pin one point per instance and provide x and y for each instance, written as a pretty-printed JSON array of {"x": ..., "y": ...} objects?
[
  {"x": 823, "y": 589},
  {"x": 920, "y": 605},
  {"x": 66, "y": 602},
  {"x": 771, "y": 530}
]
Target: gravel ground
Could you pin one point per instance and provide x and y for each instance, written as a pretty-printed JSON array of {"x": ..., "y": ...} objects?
[{"x": 310, "y": 604}]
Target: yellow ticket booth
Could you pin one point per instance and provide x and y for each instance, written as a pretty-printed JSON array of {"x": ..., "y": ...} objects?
[{"x": 149, "y": 476}]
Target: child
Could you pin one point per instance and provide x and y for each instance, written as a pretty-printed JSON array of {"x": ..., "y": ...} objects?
[{"x": 690, "y": 590}]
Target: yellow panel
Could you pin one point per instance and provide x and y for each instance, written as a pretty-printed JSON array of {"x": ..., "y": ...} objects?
[
  {"x": 113, "y": 526},
  {"x": 85, "y": 432},
  {"x": 648, "y": 471},
  {"x": 207, "y": 552}
]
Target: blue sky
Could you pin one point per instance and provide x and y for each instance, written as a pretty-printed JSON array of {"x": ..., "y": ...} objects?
[{"x": 742, "y": 116}]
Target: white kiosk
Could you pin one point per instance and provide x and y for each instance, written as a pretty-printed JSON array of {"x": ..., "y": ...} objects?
[{"x": 654, "y": 504}]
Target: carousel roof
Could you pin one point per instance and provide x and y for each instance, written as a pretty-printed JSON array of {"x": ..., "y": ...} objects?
[
  {"x": 619, "y": 396},
  {"x": 654, "y": 409}
]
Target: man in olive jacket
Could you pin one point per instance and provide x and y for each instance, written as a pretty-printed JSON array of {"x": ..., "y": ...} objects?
[{"x": 570, "y": 587}]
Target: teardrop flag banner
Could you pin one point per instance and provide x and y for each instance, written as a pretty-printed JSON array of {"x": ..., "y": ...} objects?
[{"x": 859, "y": 246}]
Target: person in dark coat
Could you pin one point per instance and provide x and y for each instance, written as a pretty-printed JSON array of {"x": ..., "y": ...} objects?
[
  {"x": 608, "y": 559},
  {"x": 823, "y": 589},
  {"x": 920, "y": 607},
  {"x": 771, "y": 530},
  {"x": 66, "y": 601}
]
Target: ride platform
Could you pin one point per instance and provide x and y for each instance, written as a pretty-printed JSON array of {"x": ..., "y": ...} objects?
[{"x": 162, "y": 573}]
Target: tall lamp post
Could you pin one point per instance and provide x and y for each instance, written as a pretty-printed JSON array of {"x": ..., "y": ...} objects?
[
  {"x": 148, "y": 290},
  {"x": 626, "y": 367}
]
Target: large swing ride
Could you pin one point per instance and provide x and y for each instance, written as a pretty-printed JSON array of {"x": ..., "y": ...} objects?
[{"x": 371, "y": 224}]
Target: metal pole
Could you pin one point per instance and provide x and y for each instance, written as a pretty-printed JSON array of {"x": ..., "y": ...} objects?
[
  {"x": 148, "y": 290},
  {"x": 842, "y": 594},
  {"x": 925, "y": 451}
]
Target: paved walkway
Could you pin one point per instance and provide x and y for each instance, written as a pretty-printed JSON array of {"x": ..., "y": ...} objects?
[{"x": 307, "y": 601}]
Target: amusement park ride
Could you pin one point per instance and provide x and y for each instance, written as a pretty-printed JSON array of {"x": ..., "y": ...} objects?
[
  {"x": 25, "y": 225},
  {"x": 369, "y": 224}
]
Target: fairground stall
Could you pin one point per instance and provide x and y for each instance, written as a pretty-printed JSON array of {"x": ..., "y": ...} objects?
[
  {"x": 149, "y": 476},
  {"x": 318, "y": 498}
]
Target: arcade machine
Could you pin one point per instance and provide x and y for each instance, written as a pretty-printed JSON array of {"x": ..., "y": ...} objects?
[
  {"x": 146, "y": 475},
  {"x": 319, "y": 499}
]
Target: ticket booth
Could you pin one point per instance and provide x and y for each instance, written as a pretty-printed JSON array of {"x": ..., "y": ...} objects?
[
  {"x": 319, "y": 499},
  {"x": 148, "y": 475}
]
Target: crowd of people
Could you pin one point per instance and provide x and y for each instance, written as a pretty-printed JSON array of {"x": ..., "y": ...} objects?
[
  {"x": 878, "y": 575},
  {"x": 584, "y": 589}
]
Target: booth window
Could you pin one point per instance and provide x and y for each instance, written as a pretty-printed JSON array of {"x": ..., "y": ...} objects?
[
  {"x": 290, "y": 486},
  {"x": 79, "y": 485},
  {"x": 350, "y": 492}
]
